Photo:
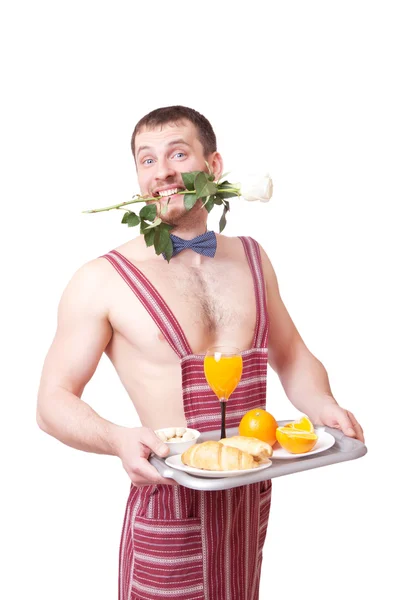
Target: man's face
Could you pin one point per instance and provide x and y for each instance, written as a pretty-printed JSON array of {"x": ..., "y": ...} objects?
[{"x": 162, "y": 154}]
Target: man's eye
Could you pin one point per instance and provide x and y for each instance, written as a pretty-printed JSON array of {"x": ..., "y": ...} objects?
[
  {"x": 147, "y": 161},
  {"x": 179, "y": 154}
]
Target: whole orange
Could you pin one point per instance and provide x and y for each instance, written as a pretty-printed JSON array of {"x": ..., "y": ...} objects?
[{"x": 260, "y": 424}]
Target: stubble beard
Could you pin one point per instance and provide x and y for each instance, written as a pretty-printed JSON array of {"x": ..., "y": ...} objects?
[{"x": 179, "y": 216}]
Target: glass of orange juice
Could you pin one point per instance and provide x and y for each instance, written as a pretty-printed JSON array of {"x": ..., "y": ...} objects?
[{"x": 223, "y": 367}]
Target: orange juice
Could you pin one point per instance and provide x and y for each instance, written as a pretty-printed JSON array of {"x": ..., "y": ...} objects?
[{"x": 223, "y": 373}]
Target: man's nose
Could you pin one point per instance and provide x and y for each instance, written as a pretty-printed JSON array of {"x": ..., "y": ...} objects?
[{"x": 164, "y": 169}]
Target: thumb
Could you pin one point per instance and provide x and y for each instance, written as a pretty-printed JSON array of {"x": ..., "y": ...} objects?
[{"x": 153, "y": 442}]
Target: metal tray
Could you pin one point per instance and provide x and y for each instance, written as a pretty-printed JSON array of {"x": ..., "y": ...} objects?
[{"x": 344, "y": 448}]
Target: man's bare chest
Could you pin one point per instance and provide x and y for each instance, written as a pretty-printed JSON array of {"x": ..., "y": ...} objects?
[
  {"x": 214, "y": 299},
  {"x": 212, "y": 304}
]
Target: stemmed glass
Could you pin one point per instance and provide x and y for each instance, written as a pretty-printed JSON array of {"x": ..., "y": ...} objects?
[{"x": 223, "y": 367}]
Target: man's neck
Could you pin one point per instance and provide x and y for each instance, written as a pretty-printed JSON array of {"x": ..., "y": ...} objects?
[{"x": 189, "y": 232}]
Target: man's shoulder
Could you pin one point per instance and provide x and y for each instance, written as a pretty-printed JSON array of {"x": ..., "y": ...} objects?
[
  {"x": 234, "y": 242},
  {"x": 89, "y": 280},
  {"x": 236, "y": 239},
  {"x": 86, "y": 291},
  {"x": 265, "y": 261}
]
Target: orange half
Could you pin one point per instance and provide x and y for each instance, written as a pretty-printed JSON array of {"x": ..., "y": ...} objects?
[
  {"x": 303, "y": 424},
  {"x": 296, "y": 441}
]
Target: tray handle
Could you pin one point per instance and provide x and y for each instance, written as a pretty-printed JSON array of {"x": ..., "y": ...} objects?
[
  {"x": 166, "y": 471},
  {"x": 348, "y": 444}
]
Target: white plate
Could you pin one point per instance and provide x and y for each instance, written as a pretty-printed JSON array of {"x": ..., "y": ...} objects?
[
  {"x": 176, "y": 463},
  {"x": 325, "y": 441}
]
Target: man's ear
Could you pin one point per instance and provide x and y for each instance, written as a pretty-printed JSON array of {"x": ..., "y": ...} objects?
[{"x": 216, "y": 164}]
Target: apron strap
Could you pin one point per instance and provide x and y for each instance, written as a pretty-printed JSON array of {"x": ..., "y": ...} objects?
[
  {"x": 152, "y": 302},
  {"x": 253, "y": 254}
]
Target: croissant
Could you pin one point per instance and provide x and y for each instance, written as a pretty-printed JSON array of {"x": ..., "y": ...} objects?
[
  {"x": 214, "y": 456},
  {"x": 261, "y": 451}
]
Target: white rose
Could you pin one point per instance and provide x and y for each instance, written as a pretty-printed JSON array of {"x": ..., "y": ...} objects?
[{"x": 258, "y": 189}]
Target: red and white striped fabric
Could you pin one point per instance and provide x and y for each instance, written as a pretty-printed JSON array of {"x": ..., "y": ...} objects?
[{"x": 186, "y": 544}]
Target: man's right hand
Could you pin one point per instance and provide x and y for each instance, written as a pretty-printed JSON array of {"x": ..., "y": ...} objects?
[{"x": 134, "y": 448}]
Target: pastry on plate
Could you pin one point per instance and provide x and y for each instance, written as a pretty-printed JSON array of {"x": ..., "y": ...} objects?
[
  {"x": 214, "y": 456},
  {"x": 260, "y": 451}
]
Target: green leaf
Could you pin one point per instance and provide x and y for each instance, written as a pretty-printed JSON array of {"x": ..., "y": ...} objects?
[
  {"x": 188, "y": 179},
  {"x": 167, "y": 226},
  {"x": 203, "y": 186},
  {"x": 211, "y": 177},
  {"x": 227, "y": 194},
  {"x": 155, "y": 223},
  {"x": 209, "y": 204},
  {"x": 148, "y": 212},
  {"x": 226, "y": 185},
  {"x": 149, "y": 237},
  {"x": 131, "y": 219},
  {"x": 168, "y": 250},
  {"x": 190, "y": 200},
  {"x": 222, "y": 222},
  {"x": 161, "y": 239}
]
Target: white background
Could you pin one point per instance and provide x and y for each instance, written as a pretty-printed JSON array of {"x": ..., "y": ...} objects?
[{"x": 305, "y": 90}]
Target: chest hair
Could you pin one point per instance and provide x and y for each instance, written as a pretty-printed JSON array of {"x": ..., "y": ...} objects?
[{"x": 209, "y": 297}]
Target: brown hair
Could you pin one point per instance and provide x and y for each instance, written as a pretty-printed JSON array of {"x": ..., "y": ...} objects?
[{"x": 174, "y": 114}]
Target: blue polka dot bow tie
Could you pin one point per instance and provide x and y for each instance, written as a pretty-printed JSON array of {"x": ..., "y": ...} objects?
[{"x": 205, "y": 244}]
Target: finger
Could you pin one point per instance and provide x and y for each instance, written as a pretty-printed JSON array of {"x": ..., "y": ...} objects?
[
  {"x": 354, "y": 420},
  {"x": 164, "y": 481},
  {"x": 157, "y": 479},
  {"x": 345, "y": 424},
  {"x": 357, "y": 427},
  {"x": 145, "y": 474},
  {"x": 149, "y": 439},
  {"x": 141, "y": 482}
]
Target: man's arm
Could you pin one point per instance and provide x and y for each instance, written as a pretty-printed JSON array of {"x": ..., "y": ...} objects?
[
  {"x": 83, "y": 333},
  {"x": 303, "y": 376}
]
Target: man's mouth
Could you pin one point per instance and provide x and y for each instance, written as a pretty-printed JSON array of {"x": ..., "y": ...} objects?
[{"x": 167, "y": 193}]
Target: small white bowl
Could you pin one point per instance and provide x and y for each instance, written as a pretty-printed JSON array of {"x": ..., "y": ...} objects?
[{"x": 179, "y": 447}]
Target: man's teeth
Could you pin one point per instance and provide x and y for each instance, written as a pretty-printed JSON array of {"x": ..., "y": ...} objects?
[{"x": 168, "y": 192}]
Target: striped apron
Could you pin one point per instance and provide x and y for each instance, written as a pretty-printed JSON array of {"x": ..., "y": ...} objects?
[{"x": 186, "y": 544}]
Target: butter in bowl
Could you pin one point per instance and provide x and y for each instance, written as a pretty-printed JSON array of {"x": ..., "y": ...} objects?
[{"x": 178, "y": 439}]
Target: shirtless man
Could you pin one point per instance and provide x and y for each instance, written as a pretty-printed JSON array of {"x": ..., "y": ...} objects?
[{"x": 111, "y": 306}]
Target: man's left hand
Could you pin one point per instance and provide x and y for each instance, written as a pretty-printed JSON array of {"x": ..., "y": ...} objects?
[{"x": 333, "y": 415}]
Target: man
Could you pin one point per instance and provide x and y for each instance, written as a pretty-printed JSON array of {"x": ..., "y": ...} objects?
[{"x": 155, "y": 321}]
